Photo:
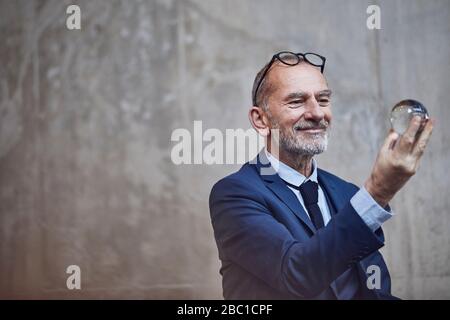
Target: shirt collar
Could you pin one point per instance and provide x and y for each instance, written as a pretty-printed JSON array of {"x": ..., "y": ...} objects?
[{"x": 289, "y": 174}]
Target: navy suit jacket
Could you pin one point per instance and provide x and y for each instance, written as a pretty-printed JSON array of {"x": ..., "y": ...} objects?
[{"x": 269, "y": 247}]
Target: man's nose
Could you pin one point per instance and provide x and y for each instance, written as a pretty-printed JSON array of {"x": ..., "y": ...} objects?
[{"x": 314, "y": 111}]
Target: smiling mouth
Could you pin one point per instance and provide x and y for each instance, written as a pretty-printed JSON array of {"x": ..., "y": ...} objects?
[{"x": 310, "y": 130}]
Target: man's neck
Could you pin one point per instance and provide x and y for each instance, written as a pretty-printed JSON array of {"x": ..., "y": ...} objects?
[{"x": 301, "y": 163}]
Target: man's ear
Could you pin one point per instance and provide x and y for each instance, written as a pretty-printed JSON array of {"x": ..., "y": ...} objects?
[{"x": 259, "y": 121}]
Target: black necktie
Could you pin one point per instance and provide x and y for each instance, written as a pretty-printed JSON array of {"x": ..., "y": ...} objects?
[{"x": 310, "y": 195}]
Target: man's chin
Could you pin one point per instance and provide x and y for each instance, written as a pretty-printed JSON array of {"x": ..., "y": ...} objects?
[
  {"x": 308, "y": 146},
  {"x": 305, "y": 150}
]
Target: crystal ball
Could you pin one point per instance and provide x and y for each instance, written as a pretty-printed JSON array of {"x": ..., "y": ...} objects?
[{"x": 404, "y": 111}]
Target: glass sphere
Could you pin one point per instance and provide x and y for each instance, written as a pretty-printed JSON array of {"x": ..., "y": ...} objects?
[{"x": 403, "y": 112}]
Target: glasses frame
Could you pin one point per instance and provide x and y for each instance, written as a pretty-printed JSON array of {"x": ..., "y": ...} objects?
[{"x": 300, "y": 57}]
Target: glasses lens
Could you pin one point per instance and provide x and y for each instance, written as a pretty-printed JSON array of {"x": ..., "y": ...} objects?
[
  {"x": 314, "y": 59},
  {"x": 289, "y": 58}
]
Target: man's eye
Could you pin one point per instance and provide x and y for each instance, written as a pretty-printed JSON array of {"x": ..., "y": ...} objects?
[
  {"x": 296, "y": 103},
  {"x": 324, "y": 102}
]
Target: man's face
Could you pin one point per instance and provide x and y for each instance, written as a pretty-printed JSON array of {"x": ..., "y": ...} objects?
[{"x": 300, "y": 108}]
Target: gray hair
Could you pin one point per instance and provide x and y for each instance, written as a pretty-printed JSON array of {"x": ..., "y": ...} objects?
[{"x": 265, "y": 88}]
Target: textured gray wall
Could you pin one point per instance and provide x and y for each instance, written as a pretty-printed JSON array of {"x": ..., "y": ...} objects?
[{"x": 86, "y": 120}]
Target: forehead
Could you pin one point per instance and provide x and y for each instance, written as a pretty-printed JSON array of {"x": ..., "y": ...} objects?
[{"x": 302, "y": 77}]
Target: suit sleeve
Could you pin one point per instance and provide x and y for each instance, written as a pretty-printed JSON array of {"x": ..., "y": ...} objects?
[{"x": 248, "y": 235}]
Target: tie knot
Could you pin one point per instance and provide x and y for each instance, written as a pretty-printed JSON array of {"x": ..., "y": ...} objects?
[{"x": 309, "y": 192}]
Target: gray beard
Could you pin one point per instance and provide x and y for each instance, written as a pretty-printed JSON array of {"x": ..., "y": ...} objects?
[
  {"x": 315, "y": 144},
  {"x": 295, "y": 143}
]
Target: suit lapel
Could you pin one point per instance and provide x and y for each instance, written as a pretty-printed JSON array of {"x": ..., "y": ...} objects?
[
  {"x": 335, "y": 199},
  {"x": 290, "y": 199},
  {"x": 330, "y": 203},
  {"x": 277, "y": 186}
]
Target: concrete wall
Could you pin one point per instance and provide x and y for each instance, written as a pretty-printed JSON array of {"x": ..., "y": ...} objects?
[{"x": 86, "y": 119}]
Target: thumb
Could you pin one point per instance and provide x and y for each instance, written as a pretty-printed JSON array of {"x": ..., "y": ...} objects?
[{"x": 390, "y": 140}]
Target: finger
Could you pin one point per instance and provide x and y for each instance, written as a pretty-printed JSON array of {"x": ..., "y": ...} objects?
[
  {"x": 406, "y": 141},
  {"x": 423, "y": 139},
  {"x": 390, "y": 140}
]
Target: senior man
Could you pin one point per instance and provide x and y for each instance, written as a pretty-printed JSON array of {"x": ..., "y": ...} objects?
[{"x": 296, "y": 231}]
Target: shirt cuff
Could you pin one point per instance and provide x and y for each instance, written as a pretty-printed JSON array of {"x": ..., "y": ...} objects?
[{"x": 369, "y": 210}]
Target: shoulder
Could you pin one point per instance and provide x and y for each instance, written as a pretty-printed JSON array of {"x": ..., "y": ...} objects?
[
  {"x": 337, "y": 182},
  {"x": 244, "y": 181}
]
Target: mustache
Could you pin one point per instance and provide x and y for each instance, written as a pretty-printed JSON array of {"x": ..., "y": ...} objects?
[{"x": 323, "y": 124}]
